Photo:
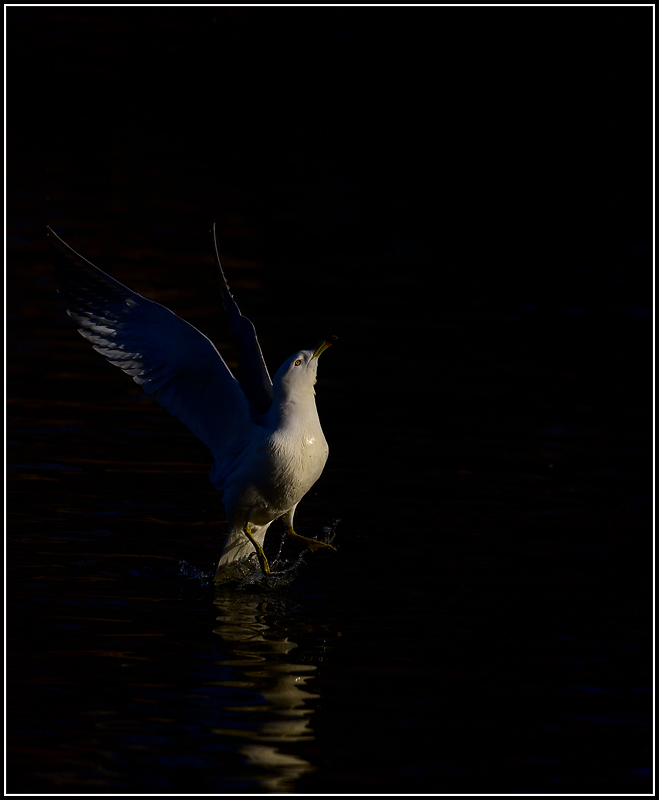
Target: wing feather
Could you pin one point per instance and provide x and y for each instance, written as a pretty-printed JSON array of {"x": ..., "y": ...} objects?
[
  {"x": 253, "y": 374},
  {"x": 163, "y": 353}
]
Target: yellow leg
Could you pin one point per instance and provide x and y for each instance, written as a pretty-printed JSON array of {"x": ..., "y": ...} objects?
[
  {"x": 312, "y": 544},
  {"x": 265, "y": 567}
]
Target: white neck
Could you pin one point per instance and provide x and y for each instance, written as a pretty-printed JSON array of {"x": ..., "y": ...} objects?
[{"x": 293, "y": 412}]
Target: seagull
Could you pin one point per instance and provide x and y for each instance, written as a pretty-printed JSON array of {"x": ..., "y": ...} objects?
[{"x": 265, "y": 435}]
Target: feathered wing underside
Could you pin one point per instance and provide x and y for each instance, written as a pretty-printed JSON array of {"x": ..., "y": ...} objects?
[
  {"x": 253, "y": 374},
  {"x": 167, "y": 356}
]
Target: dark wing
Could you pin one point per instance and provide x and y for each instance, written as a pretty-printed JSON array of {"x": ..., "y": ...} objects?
[
  {"x": 253, "y": 374},
  {"x": 167, "y": 356}
]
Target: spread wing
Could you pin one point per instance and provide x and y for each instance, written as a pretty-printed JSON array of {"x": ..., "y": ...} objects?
[
  {"x": 253, "y": 374},
  {"x": 167, "y": 356}
]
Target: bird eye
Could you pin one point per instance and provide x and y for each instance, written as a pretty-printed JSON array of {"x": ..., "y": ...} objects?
[{"x": 298, "y": 362}]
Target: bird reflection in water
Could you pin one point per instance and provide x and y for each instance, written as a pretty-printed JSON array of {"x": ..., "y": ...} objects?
[{"x": 263, "y": 667}]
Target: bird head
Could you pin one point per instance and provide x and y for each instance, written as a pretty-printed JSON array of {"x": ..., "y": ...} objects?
[{"x": 297, "y": 375}]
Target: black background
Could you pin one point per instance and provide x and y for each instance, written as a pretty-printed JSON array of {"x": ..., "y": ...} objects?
[
  {"x": 463, "y": 196},
  {"x": 440, "y": 162}
]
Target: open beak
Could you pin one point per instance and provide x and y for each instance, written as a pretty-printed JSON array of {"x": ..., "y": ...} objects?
[{"x": 323, "y": 345}]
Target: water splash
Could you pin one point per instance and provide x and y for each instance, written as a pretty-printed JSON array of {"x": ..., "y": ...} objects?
[
  {"x": 194, "y": 574},
  {"x": 247, "y": 571}
]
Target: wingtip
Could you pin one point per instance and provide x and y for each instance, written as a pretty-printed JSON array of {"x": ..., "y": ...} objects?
[
  {"x": 216, "y": 253},
  {"x": 224, "y": 286},
  {"x": 55, "y": 241},
  {"x": 53, "y": 237}
]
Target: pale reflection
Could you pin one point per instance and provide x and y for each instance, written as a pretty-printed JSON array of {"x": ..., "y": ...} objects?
[{"x": 262, "y": 665}]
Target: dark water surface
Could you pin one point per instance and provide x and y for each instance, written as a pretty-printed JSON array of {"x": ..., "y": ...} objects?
[{"x": 486, "y": 624}]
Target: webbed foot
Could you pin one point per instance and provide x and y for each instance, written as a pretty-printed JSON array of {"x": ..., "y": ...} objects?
[{"x": 312, "y": 544}]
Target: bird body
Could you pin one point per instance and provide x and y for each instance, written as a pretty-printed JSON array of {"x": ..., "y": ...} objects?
[
  {"x": 265, "y": 436},
  {"x": 277, "y": 469}
]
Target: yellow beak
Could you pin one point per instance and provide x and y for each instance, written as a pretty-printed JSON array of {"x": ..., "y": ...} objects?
[{"x": 323, "y": 345}]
